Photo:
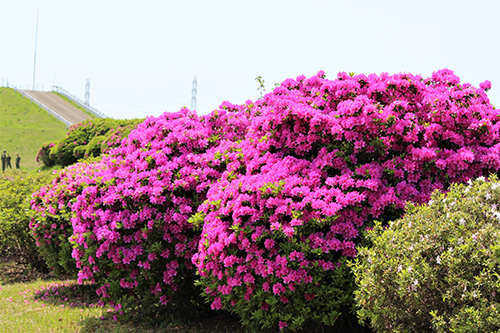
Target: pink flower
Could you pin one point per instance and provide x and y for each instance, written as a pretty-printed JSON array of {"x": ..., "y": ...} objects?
[
  {"x": 216, "y": 304},
  {"x": 486, "y": 85},
  {"x": 309, "y": 297},
  {"x": 269, "y": 243},
  {"x": 278, "y": 288}
]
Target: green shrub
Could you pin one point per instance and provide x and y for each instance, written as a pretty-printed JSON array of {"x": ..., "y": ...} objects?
[
  {"x": 79, "y": 151},
  {"x": 437, "y": 268},
  {"x": 93, "y": 149},
  {"x": 86, "y": 140},
  {"x": 15, "y": 237}
]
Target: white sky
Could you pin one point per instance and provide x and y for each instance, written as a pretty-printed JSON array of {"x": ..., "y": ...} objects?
[{"x": 141, "y": 56}]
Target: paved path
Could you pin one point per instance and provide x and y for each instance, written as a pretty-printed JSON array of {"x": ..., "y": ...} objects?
[{"x": 59, "y": 105}]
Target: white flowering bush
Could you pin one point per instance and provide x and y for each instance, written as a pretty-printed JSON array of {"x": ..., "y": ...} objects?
[{"x": 437, "y": 269}]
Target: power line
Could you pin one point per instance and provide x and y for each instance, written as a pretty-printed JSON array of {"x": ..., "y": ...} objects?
[
  {"x": 128, "y": 104},
  {"x": 141, "y": 97}
]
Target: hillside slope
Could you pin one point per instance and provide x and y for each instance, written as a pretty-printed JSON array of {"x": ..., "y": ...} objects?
[{"x": 24, "y": 128}]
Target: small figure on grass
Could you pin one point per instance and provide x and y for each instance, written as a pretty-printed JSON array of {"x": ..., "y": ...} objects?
[
  {"x": 18, "y": 162},
  {"x": 4, "y": 160},
  {"x": 8, "y": 158}
]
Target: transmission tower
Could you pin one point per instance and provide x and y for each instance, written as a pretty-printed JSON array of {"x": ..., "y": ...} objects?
[
  {"x": 193, "y": 96},
  {"x": 87, "y": 93}
]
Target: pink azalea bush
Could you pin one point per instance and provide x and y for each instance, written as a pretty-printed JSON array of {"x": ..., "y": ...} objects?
[
  {"x": 51, "y": 206},
  {"x": 268, "y": 200},
  {"x": 44, "y": 156},
  {"x": 130, "y": 231},
  {"x": 320, "y": 162}
]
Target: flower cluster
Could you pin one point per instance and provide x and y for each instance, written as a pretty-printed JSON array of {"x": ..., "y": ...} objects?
[
  {"x": 130, "y": 231},
  {"x": 51, "y": 204},
  {"x": 320, "y": 162}
]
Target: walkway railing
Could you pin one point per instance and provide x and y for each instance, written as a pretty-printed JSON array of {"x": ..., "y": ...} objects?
[
  {"x": 5, "y": 83},
  {"x": 78, "y": 101}
]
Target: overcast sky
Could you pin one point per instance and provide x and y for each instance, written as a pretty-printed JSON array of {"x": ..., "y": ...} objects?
[{"x": 141, "y": 56}]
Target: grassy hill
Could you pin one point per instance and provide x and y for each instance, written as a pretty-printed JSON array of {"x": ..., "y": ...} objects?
[{"x": 24, "y": 128}]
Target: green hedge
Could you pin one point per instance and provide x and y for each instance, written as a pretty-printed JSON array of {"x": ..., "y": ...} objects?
[
  {"x": 16, "y": 241},
  {"x": 90, "y": 138}
]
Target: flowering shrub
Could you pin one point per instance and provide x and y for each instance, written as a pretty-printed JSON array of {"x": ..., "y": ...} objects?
[
  {"x": 277, "y": 192},
  {"x": 437, "y": 268},
  {"x": 51, "y": 221},
  {"x": 114, "y": 137},
  {"x": 16, "y": 241},
  {"x": 131, "y": 230},
  {"x": 320, "y": 162},
  {"x": 44, "y": 156}
]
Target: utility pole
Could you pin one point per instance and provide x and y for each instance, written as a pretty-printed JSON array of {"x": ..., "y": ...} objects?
[
  {"x": 36, "y": 39},
  {"x": 87, "y": 93},
  {"x": 193, "y": 94}
]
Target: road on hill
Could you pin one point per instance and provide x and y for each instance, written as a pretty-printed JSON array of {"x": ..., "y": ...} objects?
[{"x": 59, "y": 106}]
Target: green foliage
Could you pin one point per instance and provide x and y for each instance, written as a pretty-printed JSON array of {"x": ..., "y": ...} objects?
[
  {"x": 262, "y": 87},
  {"x": 438, "y": 268},
  {"x": 15, "y": 237},
  {"x": 94, "y": 147},
  {"x": 79, "y": 151},
  {"x": 24, "y": 127},
  {"x": 90, "y": 138},
  {"x": 257, "y": 315}
]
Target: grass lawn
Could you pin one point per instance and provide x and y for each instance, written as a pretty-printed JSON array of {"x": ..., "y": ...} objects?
[
  {"x": 31, "y": 302},
  {"x": 24, "y": 128}
]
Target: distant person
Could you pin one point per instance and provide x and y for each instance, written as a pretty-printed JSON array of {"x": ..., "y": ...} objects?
[
  {"x": 18, "y": 162},
  {"x": 8, "y": 161},
  {"x": 4, "y": 161}
]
